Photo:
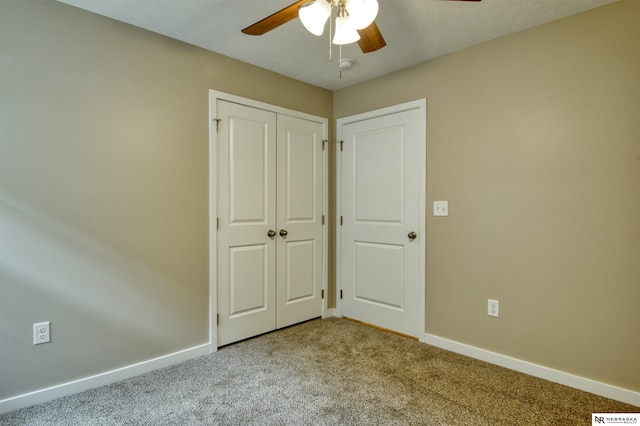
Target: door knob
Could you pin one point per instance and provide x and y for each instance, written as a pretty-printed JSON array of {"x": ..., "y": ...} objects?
[
  {"x": 283, "y": 233},
  {"x": 271, "y": 233},
  {"x": 412, "y": 235}
]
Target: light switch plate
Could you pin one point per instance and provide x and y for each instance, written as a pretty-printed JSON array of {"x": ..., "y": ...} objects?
[
  {"x": 441, "y": 208},
  {"x": 493, "y": 308}
]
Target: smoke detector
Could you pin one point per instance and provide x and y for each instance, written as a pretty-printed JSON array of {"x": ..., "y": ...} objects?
[{"x": 346, "y": 63}]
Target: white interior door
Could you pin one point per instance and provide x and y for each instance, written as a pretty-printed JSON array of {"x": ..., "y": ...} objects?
[
  {"x": 382, "y": 216},
  {"x": 270, "y": 231},
  {"x": 299, "y": 213},
  {"x": 246, "y": 214}
]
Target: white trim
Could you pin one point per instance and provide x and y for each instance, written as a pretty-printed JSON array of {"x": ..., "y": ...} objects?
[
  {"x": 213, "y": 222},
  {"x": 556, "y": 376},
  {"x": 325, "y": 215},
  {"x": 338, "y": 202},
  {"x": 329, "y": 313},
  {"x": 108, "y": 377},
  {"x": 420, "y": 104},
  {"x": 214, "y": 95}
]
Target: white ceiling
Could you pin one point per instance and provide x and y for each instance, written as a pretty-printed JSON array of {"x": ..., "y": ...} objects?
[{"x": 415, "y": 31}]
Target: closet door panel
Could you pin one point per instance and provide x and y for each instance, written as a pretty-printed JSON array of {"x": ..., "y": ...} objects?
[
  {"x": 299, "y": 282},
  {"x": 246, "y": 213}
]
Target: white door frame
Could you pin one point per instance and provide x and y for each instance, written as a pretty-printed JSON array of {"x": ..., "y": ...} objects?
[
  {"x": 420, "y": 104},
  {"x": 214, "y": 95}
]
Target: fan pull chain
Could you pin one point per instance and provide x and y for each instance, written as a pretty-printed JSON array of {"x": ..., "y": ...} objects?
[
  {"x": 331, "y": 47},
  {"x": 340, "y": 63},
  {"x": 330, "y": 36}
]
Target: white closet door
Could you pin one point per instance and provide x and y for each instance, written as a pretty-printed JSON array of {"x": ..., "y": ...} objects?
[
  {"x": 270, "y": 235},
  {"x": 299, "y": 214},
  {"x": 246, "y": 212}
]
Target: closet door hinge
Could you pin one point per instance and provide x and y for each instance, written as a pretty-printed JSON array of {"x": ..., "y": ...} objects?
[
  {"x": 218, "y": 319},
  {"x": 322, "y": 293},
  {"x": 324, "y": 141},
  {"x": 340, "y": 294},
  {"x": 341, "y": 144},
  {"x": 323, "y": 219},
  {"x": 340, "y": 220},
  {"x": 217, "y": 120},
  {"x": 217, "y": 223}
]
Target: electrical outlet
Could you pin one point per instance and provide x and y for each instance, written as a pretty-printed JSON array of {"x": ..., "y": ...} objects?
[
  {"x": 493, "y": 308},
  {"x": 41, "y": 332},
  {"x": 441, "y": 208}
]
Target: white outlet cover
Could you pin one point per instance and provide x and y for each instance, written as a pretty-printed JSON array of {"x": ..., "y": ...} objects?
[
  {"x": 41, "y": 332},
  {"x": 441, "y": 208}
]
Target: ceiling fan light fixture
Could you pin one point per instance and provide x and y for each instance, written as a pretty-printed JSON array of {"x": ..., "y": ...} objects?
[
  {"x": 314, "y": 15},
  {"x": 345, "y": 31},
  {"x": 362, "y": 12}
]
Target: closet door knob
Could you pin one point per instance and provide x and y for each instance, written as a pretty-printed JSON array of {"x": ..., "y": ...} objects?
[
  {"x": 412, "y": 235},
  {"x": 271, "y": 233},
  {"x": 283, "y": 233}
]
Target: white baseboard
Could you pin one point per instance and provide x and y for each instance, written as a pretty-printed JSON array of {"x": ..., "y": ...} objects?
[
  {"x": 587, "y": 385},
  {"x": 329, "y": 313},
  {"x": 86, "y": 383},
  {"x": 577, "y": 382}
]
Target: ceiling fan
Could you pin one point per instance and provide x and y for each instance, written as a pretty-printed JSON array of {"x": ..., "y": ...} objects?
[{"x": 354, "y": 21}]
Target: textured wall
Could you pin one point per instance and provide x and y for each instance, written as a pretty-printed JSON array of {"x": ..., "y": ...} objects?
[
  {"x": 104, "y": 189},
  {"x": 534, "y": 140}
]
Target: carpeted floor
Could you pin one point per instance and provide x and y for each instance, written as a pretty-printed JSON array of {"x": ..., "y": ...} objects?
[{"x": 325, "y": 372}]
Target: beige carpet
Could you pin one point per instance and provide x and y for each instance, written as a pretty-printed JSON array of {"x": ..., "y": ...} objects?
[{"x": 326, "y": 372}]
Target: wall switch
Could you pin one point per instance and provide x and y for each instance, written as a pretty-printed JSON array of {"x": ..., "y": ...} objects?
[
  {"x": 441, "y": 208},
  {"x": 41, "y": 333},
  {"x": 493, "y": 308}
]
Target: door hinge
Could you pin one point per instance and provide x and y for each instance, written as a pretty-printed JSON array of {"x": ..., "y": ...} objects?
[
  {"x": 218, "y": 319},
  {"x": 340, "y": 220},
  {"x": 340, "y": 294},
  {"x": 322, "y": 293},
  {"x": 217, "y": 120},
  {"x": 323, "y": 219},
  {"x": 341, "y": 144},
  {"x": 217, "y": 223},
  {"x": 324, "y": 142}
]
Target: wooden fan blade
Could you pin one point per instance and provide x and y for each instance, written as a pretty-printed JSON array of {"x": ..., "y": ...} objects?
[
  {"x": 275, "y": 20},
  {"x": 371, "y": 39}
]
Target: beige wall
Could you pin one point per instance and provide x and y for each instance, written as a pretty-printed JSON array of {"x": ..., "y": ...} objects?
[
  {"x": 104, "y": 189},
  {"x": 534, "y": 139}
]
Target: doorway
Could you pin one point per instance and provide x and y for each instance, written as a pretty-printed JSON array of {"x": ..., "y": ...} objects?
[{"x": 381, "y": 203}]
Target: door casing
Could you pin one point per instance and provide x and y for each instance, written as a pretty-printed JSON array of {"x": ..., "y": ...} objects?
[
  {"x": 214, "y": 96},
  {"x": 420, "y": 104}
]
